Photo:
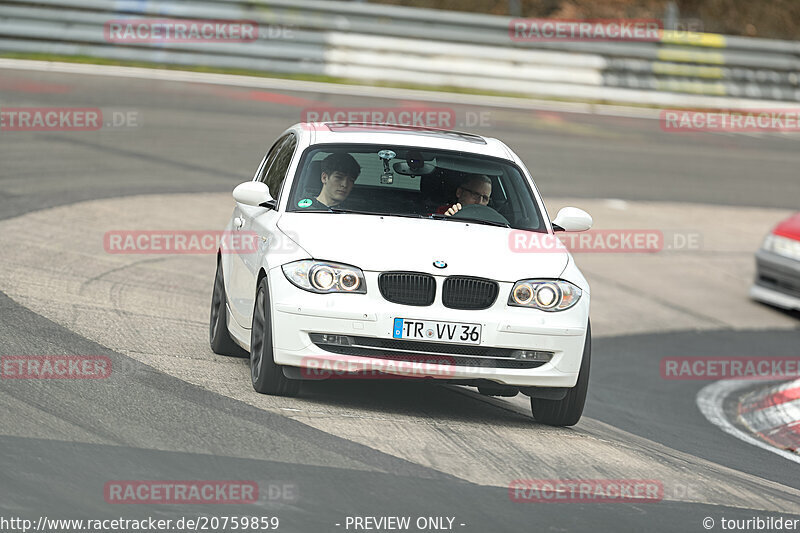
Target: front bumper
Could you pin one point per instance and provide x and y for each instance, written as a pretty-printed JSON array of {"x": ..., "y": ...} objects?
[
  {"x": 777, "y": 280},
  {"x": 296, "y": 314}
]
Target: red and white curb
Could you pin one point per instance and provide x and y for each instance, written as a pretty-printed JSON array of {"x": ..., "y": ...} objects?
[
  {"x": 774, "y": 415},
  {"x": 711, "y": 400}
]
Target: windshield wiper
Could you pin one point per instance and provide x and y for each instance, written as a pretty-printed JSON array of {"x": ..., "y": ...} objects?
[
  {"x": 437, "y": 216},
  {"x": 377, "y": 213},
  {"x": 404, "y": 215},
  {"x": 326, "y": 210}
]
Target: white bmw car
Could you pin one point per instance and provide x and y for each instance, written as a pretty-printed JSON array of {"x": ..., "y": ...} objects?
[{"x": 391, "y": 251}]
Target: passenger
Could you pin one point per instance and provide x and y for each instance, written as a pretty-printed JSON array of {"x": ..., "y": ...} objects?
[{"x": 339, "y": 174}]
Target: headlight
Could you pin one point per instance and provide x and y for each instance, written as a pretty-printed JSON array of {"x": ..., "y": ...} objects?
[
  {"x": 324, "y": 277},
  {"x": 782, "y": 246},
  {"x": 547, "y": 295}
]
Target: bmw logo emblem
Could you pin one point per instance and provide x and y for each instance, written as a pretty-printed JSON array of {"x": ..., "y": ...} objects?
[{"x": 440, "y": 264}]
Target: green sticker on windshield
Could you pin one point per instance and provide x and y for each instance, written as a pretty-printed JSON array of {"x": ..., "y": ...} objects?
[{"x": 305, "y": 202}]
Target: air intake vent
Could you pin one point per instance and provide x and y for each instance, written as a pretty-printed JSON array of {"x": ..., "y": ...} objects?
[
  {"x": 407, "y": 288},
  {"x": 461, "y": 292}
]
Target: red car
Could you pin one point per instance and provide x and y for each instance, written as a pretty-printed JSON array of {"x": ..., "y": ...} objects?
[{"x": 778, "y": 266}]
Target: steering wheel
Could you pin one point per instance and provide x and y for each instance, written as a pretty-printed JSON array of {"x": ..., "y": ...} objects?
[{"x": 480, "y": 212}]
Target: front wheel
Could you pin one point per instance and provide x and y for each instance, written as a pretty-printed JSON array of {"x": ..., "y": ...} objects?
[
  {"x": 219, "y": 337},
  {"x": 267, "y": 377},
  {"x": 567, "y": 411}
]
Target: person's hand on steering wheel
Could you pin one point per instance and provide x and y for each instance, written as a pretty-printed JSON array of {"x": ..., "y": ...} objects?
[{"x": 453, "y": 209}]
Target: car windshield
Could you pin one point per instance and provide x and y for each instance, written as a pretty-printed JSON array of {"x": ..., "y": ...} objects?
[{"x": 414, "y": 182}]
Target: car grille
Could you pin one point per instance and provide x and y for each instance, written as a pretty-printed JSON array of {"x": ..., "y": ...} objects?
[
  {"x": 461, "y": 292},
  {"x": 778, "y": 278},
  {"x": 407, "y": 288},
  {"x": 774, "y": 282},
  {"x": 435, "y": 352}
]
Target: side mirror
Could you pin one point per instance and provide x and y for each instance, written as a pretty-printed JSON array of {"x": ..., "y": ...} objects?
[
  {"x": 572, "y": 219},
  {"x": 254, "y": 193}
]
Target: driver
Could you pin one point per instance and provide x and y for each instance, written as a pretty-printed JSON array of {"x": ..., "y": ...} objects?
[
  {"x": 476, "y": 189},
  {"x": 339, "y": 173}
]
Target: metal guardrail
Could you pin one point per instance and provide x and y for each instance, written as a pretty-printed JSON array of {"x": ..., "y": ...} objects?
[{"x": 415, "y": 46}]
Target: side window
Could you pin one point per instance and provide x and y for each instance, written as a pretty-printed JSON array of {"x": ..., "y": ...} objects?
[
  {"x": 271, "y": 157},
  {"x": 276, "y": 172}
]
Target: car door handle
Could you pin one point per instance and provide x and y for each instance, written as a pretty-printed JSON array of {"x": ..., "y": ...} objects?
[{"x": 238, "y": 222}]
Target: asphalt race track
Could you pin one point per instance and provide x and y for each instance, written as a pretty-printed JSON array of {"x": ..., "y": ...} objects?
[{"x": 173, "y": 410}]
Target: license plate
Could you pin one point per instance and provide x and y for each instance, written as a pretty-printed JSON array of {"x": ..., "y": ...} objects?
[{"x": 431, "y": 330}]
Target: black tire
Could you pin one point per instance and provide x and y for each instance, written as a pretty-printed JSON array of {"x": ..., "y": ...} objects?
[
  {"x": 567, "y": 411},
  {"x": 218, "y": 334},
  {"x": 267, "y": 377}
]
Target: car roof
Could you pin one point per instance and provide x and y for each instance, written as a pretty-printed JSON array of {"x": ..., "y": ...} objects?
[{"x": 400, "y": 135}]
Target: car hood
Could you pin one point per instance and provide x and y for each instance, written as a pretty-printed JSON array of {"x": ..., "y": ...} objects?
[
  {"x": 789, "y": 228},
  {"x": 375, "y": 243}
]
